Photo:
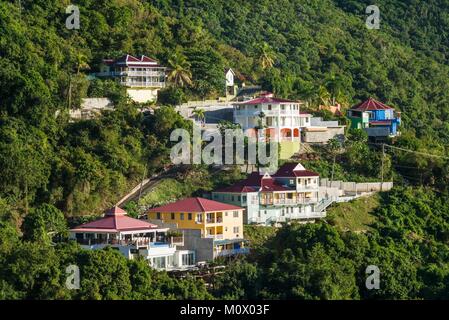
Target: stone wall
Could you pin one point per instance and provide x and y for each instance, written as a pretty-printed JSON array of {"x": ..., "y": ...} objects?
[{"x": 323, "y": 136}]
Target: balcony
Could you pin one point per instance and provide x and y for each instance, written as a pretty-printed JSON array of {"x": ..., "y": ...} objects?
[
  {"x": 281, "y": 202},
  {"x": 152, "y": 73},
  {"x": 140, "y": 242},
  {"x": 212, "y": 220},
  {"x": 307, "y": 187},
  {"x": 214, "y": 236},
  {"x": 179, "y": 241}
]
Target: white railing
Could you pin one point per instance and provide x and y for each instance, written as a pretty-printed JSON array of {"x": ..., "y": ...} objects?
[
  {"x": 230, "y": 252},
  {"x": 143, "y": 84},
  {"x": 214, "y": 236},
  {"x": 289, "y": 201}
]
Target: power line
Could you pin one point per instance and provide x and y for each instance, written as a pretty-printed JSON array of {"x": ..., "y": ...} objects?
[{"x": 408, "y": 150}]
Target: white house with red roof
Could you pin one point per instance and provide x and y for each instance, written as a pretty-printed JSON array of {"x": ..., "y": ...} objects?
[
  {"x": 143, "y": 76},
  {"x": 289, "y": 194},
  {"x": 133, "y": 237},
  {"x": 268, "y": 118}
]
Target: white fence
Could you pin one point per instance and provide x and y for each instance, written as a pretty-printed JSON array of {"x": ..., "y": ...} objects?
[{"x": 357, "y": 187}]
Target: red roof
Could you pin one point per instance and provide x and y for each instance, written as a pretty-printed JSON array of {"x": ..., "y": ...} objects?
[
  {"x": 250, "y": 184},
  {"x": 370, "y": 105},
  {"x": 268, "y": 184},
  {"x": 294, "y": 170},
  {"x": 146, "y": 59},
  {"x": 127, "y": 58},
  {"x": 254, "y": 183},
  {"x": 196, "y": 204},
  {"x": 267, "y": 99},
  {"x": 115, "y": 220}
]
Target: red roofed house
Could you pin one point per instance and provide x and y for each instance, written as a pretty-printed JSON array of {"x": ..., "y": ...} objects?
[
  {"x": 133, "y": 237},
  {"x": 376, "y": 118},
  {"x": 291, "y": 193},
  {"x": 210, "y": 228},
  {"x": 269, "y": 118},
  {"x": 142, "y": 76}
]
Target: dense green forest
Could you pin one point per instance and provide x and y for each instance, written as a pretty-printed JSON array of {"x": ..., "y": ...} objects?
[{"x": 52, "y": 169}]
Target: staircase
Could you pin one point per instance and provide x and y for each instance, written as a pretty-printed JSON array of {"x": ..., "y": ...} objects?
[{"x": 323, "y": 204}]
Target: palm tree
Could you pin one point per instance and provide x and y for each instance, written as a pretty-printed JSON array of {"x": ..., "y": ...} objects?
[
  {"x": 324, "y": 96},
  {"x": 200, "y": 114},
  {"x": 179, "y": 72},
  {"x": 81, "y": 62},
  {"x": 334, "y": 146},
  {"x": 266, "y": 56}
]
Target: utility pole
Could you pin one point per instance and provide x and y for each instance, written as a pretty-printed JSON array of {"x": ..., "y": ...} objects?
[{"x": 382, "y": 167}]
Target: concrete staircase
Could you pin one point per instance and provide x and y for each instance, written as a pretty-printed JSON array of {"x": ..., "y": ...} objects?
[{"x": 323, "y": 204}]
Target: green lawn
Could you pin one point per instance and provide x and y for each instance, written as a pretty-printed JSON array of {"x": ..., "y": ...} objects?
[{"x": 354, "y": 216}]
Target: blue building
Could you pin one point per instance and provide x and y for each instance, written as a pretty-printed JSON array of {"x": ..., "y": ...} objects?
[{"x": 376, "y": 118}]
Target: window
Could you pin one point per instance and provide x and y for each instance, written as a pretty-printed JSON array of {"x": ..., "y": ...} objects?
[
  {"x": 236, "y": 229},
  {"x": 244, "y": 198},
  {"x": 181, "y": 216},
  {"x": 236, "y": 214},
  {"x": 173, "y": 216},
  {"x": 292, "y": 181},
  {"x": 199, "y": 217},
  {"x": 226, "y": 214},
  {"x": 226, "y": 228},
  {"x": 269, "y": 107},
  {"x": 189, "y": 216},
  {"x": 159, "y": 262},
  {"x": 188, "y": 259},
  {"x": 158, "y": 215},
  {"x": 239, "y": 198}
]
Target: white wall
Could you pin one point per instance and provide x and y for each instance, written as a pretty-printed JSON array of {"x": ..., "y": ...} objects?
[{"x": 143, "y": 95}]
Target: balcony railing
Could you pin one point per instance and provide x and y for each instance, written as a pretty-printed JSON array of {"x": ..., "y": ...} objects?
[
  {"x": 123, "y": 242},
  {"x": 307, "y": 187},
  {"x": 153, "y": 73},
  {"x": 214, "y": 236},
  {"x": 289, "y": 201},
  {"x": 217, "y": 220},
  {"x": 231, "y": 252},
  {"x": 143, "y": 84}
]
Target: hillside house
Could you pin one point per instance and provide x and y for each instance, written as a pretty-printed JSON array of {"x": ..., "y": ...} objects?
[
  {"x": 132, "y": 238},
  {"x": 377, "y": 119},
  {"x": 291, "y": 193},
  {"x": 271, "y": 119},
  {"x": 212, "y": 229},
  {"x": 142, "y": 76}
]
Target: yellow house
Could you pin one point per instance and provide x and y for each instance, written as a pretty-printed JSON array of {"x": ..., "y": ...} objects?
[
  {"x": 215, "y": 219},
  {"x": 210, "y": 228}
]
